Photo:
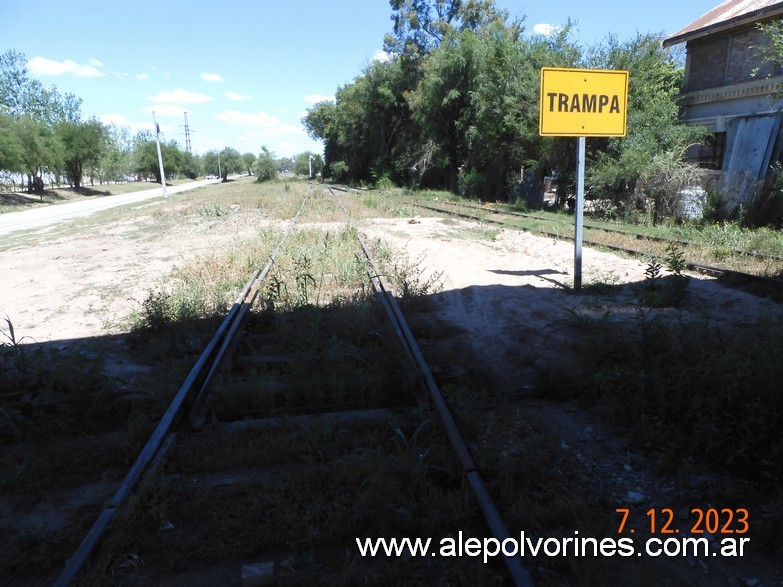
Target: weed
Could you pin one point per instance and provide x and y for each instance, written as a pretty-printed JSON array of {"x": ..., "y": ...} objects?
[
  {"x": 605, "y": 283},
  {"x": 213, "y": 210},
  {"x": 675, "y": 259},
  {"x": 653, "y": 272},
  {"x": 666, "y": 291},
  {"x": 304, "y": 279},
  {"x": 412, "y": 281},
  {"x": 8, "y": 333},
  {"x": 15, "y": 358}
]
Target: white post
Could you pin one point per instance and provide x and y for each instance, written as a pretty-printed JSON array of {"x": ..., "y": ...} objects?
[
  {"x": 310, "y": 164},
  {"x": 578, "y": 212},
  {"x": 160, "y": 157},
  {"x": 220, "y": 175}
]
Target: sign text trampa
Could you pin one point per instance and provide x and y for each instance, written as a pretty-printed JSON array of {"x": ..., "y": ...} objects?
[{"x": 583, "y": 102}]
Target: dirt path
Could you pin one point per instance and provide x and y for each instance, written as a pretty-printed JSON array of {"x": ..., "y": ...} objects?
[{"x": 38, "y": 217}]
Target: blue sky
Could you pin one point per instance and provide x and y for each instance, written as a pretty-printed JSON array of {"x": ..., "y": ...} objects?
[{"x": 246, "y": 70}]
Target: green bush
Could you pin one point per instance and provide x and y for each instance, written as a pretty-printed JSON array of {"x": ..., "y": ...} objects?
[
  {"x": 265, "y": 167},
  {"x": 338, "y": 170}
]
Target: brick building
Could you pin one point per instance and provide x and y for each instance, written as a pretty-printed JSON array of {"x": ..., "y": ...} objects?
[{"x": 730, "y": 90}]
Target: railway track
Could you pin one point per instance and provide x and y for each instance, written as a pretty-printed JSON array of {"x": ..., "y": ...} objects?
[
  {"x": 648, "y": 246},
  {"x": 281, "y": 403}
]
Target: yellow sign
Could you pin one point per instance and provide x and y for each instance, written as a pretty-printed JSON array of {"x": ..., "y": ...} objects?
[{"x": 583, "y": 102}]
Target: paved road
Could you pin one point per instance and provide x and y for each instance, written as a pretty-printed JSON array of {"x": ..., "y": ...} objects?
[{"x": 46, "y": 215}]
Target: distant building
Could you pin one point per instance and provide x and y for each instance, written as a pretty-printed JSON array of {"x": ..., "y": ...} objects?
[{"x": 729, "y": 90}]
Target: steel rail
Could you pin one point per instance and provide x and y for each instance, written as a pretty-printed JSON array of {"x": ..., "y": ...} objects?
[
  {"x": 492, "y": 517},
  {"x": 592, "y": 226},
  {"x": 248, "y": 296},
  {"x": 154, "y": 450},
  {"x": 699, "y": 267}
]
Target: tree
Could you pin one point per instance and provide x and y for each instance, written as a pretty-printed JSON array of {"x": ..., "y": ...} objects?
[
  {"x": 116, "y": 162},
  {"x": 421, "y": 25},
  {"x": 146, "y": 157},
  {"x": 83, "y": 143},
  {"x": 303, "y": 164},
  {"x": 211, "y": 163},
  {"x": 230, "y": 162},
  {"x": 36, "y": 111},
  {"x": 189, "y": 166},
  {"x": 771, "y": 52},
  {"x": 14, "y": 84},
  {"x": 443, "y": 102},
  {"x": 653, "y": 127},
  {"x": 248, "y": 159},
  {"x": 21, "y": 96},
  {"x": 265, "y": 167},
  {"x": 369, "y": 129},
  {"x": 41, "y": 152},
  {"x": 11, "y": 149},
  {"x": 319, "y": 122},
  {"x": 223, "y": 163}
]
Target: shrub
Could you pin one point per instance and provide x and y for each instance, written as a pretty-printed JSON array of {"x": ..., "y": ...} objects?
[
  {"x": 265, "y": 167},
  {"x": 338, "y": 170}
]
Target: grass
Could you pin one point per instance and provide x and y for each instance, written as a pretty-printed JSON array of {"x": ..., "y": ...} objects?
[
  {"x": 338, "y": 483},
  {"x": 671, "y": 380},
  {"x": 698, "y": 391},
  {"x": 710, "y": 243}
]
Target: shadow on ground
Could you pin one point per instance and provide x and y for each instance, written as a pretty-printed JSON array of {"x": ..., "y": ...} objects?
[{"x": 75, "y": 414}]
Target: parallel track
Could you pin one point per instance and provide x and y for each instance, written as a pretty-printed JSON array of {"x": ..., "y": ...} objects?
[
  {"x": 594, "y": 226},
  {"x": 772, "y": 286},
  {"x": 190, "y": 408}
]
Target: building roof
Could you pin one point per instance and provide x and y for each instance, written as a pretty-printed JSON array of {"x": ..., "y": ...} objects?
[{"x": 727, "y": 15}]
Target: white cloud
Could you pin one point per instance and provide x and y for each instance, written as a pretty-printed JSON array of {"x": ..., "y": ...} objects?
[
  {"x": 120, "y": 120},
  {"x": 238, "y": 118},
  {"x": 315, "y": 98},
  {"x": 95, "y": 62},
  {"x": 44, "y": 66},
  {"x": 237, "y": 97},
  {"x": 143, "y": 77},
  {"x": 381, "y": 55},
  {"x": 166, "y": 109},
  {"x": 180, "y": 96},
  {"x": 270, "y": 126},
  {"x": 211, "y": 77},
  {"x": 286, "y": 147},
  {"x": 117, "y": 119},
  {"x": 546, "y": 29}
]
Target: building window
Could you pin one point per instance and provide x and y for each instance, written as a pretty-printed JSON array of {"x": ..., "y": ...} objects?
[{"x": 709, "y": 154}]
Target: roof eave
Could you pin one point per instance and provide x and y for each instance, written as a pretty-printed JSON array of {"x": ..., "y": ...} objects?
[{"x": 748, "y": 18}]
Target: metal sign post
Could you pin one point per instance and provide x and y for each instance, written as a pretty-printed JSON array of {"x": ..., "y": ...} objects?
[
  {"x": 582, "y": 103},
  {"x": 579, "y": 211}
]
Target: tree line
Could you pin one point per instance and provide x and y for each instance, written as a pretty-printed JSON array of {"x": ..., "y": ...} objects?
[
  {"x": 43, "y": 134},
  {"x": 456, "y": 106}
]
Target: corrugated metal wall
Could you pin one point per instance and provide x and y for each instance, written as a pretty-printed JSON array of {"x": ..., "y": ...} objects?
[{"x": 750, "y": 143}]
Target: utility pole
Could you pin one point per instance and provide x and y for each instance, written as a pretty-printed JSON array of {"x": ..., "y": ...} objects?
[
  {"x": 160, "y": 157},
  {"x": 187, "y": 134}
]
